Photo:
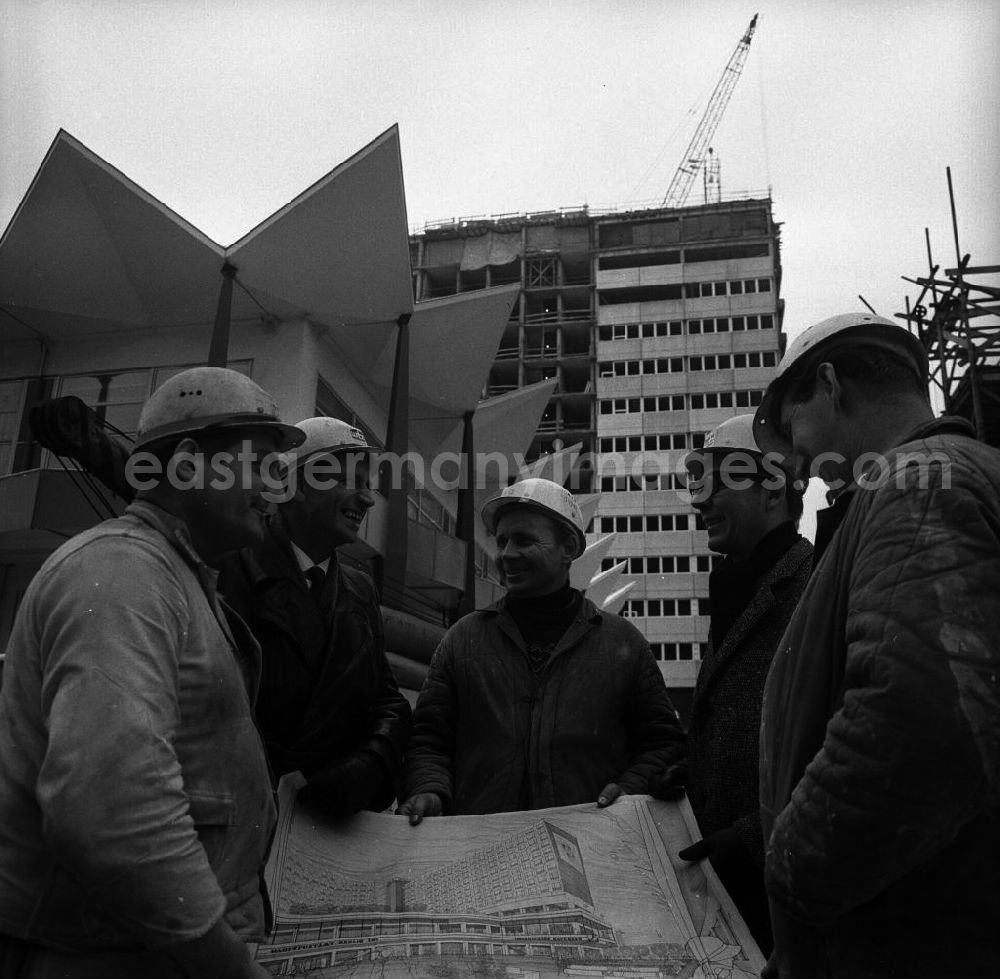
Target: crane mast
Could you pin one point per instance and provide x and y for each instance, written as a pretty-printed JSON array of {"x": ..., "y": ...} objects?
[{"x": 694, "y": 156}]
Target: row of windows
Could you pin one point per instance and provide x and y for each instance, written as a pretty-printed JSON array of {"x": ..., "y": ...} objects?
[
  {"x": 665, "y": 564},
  {"x": 678, "y": 402},
  {"x": 675, "y": 365},
  {"x": 638, "y": 524},
  {"x": 734, "y": 287},
  {"x": 641, "y": 483},
  {"x": 652, "y": 443},
  {"x": 676, "y": 650},
  {"x": 664, "y": 608},
  {"x": 694, "y": 327}
]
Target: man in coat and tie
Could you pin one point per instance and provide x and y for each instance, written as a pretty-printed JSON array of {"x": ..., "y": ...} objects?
[{"x": 329, "y": 706}]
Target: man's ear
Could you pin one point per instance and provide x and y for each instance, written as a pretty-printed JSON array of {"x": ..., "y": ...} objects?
[
  {"x": 569, "y": 548},
  {"x": 774, "y": 498},
  {"x": 187, "y": 450},
  {"x": 828, "y": 384}
]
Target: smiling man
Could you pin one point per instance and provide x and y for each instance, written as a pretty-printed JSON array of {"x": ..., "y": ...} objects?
[
  {"x": 329, "y": 705},
  {"x": 880, "y": 736},
  {"x": 541, "y": 700},
  {"x": 750, "y": 512},
  {"x": 135, "y": 802}
]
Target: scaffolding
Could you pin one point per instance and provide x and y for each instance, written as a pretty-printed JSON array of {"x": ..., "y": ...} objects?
[{"x": 956, "y": 316}]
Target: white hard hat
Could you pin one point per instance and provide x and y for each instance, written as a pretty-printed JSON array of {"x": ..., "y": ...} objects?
[
  {"x": 822, "y": 340},
  {"x": 210, "y": 399},
  {"x": 544, "y": 496},
  {"x": 327, "y": 435},
  {"x": 733, "y": 433}
]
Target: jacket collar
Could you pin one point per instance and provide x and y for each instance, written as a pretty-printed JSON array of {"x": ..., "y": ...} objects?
[
  {"x": 588, "y": 617},
  {"x": 588, "y": 611},
  {"x": 176, "y": 532},
  {"x": 786, "y": 567}
]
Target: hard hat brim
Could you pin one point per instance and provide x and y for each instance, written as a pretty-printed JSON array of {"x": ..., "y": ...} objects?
[
  {"x": 297, "y": 462},
  {"x": 289, "y": 435}
]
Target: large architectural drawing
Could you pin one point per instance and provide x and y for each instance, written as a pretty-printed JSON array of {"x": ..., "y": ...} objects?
[{"x": 577, "y": 891}]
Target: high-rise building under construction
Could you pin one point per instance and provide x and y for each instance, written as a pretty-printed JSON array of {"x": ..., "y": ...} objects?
[{"x": 656, "y": 325}]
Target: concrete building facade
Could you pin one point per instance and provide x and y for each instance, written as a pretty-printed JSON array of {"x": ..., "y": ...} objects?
[{"x": 656, "y": 326}]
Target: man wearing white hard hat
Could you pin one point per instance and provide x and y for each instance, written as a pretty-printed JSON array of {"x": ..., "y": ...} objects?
[
  {"x": 329, "y": 705},
  {"x": 750, "y": 510},
  {"x": 541, "y": 700},
  {"x": 136, "y": 806},
  {"x": 880, "y": 737}
]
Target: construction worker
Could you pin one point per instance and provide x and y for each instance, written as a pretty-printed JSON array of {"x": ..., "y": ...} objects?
[
  {"x": 750, "y": 513},
  {"x": 880, "y": 738},
  {"x": 329, "y": 705},
  {"x": 542, "y": 699},
  {"x": 135, "y": 801}
]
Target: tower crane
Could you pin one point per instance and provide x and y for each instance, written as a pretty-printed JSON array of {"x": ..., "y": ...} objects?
[{"x": 694, "y": 157}]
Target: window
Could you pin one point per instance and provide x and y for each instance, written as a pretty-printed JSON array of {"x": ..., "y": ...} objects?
[
  {"x": 116, "y": 397},
  {"x": 763, "y": 285}
]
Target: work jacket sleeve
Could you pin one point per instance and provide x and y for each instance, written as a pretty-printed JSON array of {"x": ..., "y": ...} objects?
[
  {"x": 391, "y": 718},
  {"x": 430, "y": 757},
  {"x": 655, "y": 737},
  {"x": 911, "y": 754},
  {"x": 110, "y": 787}
]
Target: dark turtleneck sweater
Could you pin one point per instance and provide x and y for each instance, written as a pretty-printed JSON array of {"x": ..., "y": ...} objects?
[
  {"x": 543, "y": 620},
  {"x": 732, "y": 585}
]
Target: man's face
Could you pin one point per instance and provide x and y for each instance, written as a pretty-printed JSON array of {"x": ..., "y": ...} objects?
[
  {"x": 336, "y": 496},
  {"x": 735, "y": 515},
  {"x": 811, "y": 428},
  {"x": 231, "y": 508},
  {"x": 530, "y": 557}
]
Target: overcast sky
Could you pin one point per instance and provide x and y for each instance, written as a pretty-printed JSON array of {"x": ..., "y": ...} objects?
[{"x": 227, "y": 109}]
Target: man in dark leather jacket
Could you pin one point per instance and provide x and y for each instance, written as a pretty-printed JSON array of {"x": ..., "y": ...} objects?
[{"x": 328, "y": 705}]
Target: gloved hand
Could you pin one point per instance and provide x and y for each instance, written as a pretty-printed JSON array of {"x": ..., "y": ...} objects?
[
  {"x": 418, "y": 806},
  {"x": 722, "y": 848},
  {"x": 608, "y": 794},
  {"x": 346, "y": 787},
  {"x": 670, "y": 784}
]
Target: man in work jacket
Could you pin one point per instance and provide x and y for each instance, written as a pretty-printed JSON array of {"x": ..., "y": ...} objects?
[
  {"x": 880, "y": 741},
  {"x": 542, "y": 700},
  {"x": 329, "y": 705},
  {"x": 750, "y": 513},
  {"x": 135, "y": 803}
]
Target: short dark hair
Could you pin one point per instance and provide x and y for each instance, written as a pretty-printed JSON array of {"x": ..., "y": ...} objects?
[{"x": 880, "y": 374}]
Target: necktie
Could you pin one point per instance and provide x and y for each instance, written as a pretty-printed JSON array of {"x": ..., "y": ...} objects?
[{"x": 317, "y": 577}]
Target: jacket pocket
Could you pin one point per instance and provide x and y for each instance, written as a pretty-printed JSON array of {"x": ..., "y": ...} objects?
[{"x": 212, "y": 810}]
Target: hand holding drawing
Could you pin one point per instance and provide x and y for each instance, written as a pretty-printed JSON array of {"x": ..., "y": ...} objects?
[
  {"x": 723, "y": 847},
  {"x": 609, "y": 793},
  {"x": 418, "y": 806}
]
